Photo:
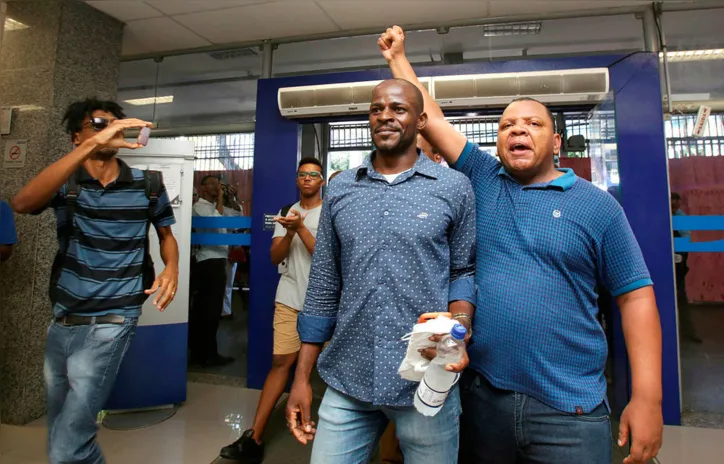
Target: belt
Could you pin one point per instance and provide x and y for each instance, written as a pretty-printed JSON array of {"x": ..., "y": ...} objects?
[{"x": 90, "y": 320}]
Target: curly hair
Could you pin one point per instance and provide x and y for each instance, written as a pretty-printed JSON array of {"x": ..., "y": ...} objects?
[{"x": 78, "y": 111}]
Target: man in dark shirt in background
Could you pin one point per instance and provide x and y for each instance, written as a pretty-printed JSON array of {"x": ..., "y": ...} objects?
[{"x": 687, "y": 330}]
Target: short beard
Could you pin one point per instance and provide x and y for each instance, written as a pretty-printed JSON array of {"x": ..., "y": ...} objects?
[
  {"x": 400, "y": 149},
  {"x": 105, "y": 154}
]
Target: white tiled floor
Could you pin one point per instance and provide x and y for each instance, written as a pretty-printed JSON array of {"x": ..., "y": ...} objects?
[
  {"x": 212, "y": 417},
  {"x": 215, "y": 415}
]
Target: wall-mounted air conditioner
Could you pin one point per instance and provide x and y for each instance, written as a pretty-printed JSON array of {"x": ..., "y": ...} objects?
[
  {"x": 328, "y": 100},
  {"x": 565, "y": 87}
]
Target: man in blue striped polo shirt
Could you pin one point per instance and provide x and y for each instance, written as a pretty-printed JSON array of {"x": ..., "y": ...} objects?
[
  {"x": 101, "y": 275},
  {"x": 536, "y": 391}
]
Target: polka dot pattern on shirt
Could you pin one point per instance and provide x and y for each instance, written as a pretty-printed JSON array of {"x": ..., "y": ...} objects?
[{"x": 385, "y": 254}]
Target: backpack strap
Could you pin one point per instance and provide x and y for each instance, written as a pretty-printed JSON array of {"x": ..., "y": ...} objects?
[
  {"x": 72, "y": 192},
  {"x": 152, "y": 179},
  {"x": 152, "y": 187},
  {"x": 285, "y": 210}
]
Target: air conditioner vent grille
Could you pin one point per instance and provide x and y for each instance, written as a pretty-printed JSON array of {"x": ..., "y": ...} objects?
[{"x": 475, "y": 91}]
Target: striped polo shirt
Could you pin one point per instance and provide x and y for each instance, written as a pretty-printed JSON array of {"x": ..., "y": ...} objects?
[
  {"x": 102, "y": 269},
  {"x": 541, "y": 251}
]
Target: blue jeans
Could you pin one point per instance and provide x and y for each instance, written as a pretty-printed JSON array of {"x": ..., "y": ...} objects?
[
  {"x": 504, "y": 427},
  {"x": 349, "y": 431},
  {"x": 81, "y": 364}
]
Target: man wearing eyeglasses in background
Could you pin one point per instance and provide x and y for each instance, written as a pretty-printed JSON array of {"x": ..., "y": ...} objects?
[
  {"x": 292, "y": 247},
  {"x": 100, "y": 277}
]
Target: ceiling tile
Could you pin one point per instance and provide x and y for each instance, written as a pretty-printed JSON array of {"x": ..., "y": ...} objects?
[
  {"x": 158, "y": 34},
  {"x": 379, "y": 13},
  {"x": 360, "y": 15},
  {"x": 527, "y": 7},
  {"x": 261, "y": 21},
  {"x": 126, "y": 10},
  {"x": 175, "y": 7}
]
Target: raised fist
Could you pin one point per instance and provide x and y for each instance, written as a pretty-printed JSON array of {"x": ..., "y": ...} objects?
[{"x": 392, "y": 43}]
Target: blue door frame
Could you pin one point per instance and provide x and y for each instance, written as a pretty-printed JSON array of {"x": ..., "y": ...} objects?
[{"x": 642, "y": 171}]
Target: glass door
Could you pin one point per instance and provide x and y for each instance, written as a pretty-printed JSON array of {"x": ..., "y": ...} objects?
[{"x": 603, "y": 153}]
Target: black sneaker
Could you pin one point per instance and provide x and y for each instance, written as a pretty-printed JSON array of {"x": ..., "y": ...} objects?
[{"x": 244, "y": 450}]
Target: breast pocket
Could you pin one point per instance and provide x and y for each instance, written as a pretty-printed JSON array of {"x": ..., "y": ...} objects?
[
  {"x": 556, "y": 236},
  {"x": 425, "y": 219}
]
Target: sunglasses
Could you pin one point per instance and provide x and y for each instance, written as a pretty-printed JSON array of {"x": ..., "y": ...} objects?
[
  {"x": 98, "y": 124},
  {"x": 314, "y": 175}
]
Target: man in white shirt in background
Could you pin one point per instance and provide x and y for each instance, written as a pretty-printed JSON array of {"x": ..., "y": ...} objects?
[
  {"x": 210, "y": 281},
  {"x": 292, "y": 247}
]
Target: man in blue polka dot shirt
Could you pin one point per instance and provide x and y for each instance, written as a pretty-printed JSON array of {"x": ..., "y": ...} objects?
[
  {"x": 396, "y": 239},
  {"x": 536, "y": 391}
]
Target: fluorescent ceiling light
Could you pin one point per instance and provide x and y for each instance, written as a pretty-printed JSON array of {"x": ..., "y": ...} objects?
[
  {"x": 687, "y": 97},
  {"x": 12, "y": 25},
  {"x": 694, "y": 55},
  {"x": 150, "y": 100},
  {"x": 29, "y": 108},
  {"x": 496, "y": 30}
]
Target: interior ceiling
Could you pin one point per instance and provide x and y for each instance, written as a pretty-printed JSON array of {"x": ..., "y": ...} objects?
[{"x": 154, "y": 26}]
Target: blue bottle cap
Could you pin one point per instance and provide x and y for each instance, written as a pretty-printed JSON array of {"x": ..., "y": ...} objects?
[{"x": 458, "y": 332}]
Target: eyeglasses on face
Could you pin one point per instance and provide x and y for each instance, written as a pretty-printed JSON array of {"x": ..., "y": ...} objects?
[{"x": 313, "y": 174}]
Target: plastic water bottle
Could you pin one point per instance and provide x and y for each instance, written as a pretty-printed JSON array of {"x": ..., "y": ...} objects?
[{"x": 437, "y": 382}]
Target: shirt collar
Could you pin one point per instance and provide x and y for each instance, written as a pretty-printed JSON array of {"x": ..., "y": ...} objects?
[
  {"x": 563, "y": 183},
  {"x": 126, "y": 174},
  {"x": 424, "y": 166}
]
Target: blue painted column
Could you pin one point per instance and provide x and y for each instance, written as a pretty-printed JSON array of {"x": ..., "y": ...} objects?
[
  {"x": 276, "y": 150},
  {"x": 643, "y": 171}
]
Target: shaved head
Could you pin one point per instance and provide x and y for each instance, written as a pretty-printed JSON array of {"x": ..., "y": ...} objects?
[
  {"x": 417, "y": 100},
  {"x": 396, "y": 116}
]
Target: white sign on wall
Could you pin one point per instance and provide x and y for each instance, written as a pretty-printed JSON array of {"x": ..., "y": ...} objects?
[
  {"x": 15, "y": 153},
  {"x": 6, "y": 118}
]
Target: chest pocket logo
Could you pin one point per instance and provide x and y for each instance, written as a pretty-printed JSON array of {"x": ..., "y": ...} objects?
[
  {"x": 556, "y": 213},
  {"x": 423, "y": 215}
]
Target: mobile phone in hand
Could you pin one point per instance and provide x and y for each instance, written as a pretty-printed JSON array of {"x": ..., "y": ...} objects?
[{"x": 144, "y": 135}]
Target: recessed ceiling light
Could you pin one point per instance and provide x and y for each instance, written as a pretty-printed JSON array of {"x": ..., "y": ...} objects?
[
  {"x": 12, "y": 25},
  {"x": 150, "y": 100},
  {"x": 29, "y": 108},
  {"x": 496, "y": 30},
  {"x": 694, "y": 55}
]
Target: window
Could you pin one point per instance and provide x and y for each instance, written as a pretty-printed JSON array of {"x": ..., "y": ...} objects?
[
  {"x": 680, "y": 143},
  {"x": 222, "y": 152}
]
